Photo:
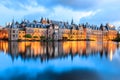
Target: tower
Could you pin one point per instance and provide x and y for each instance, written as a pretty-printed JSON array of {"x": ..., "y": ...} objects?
[{"x": 13, "y": 31}]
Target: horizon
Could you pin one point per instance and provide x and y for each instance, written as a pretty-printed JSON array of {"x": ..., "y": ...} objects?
[{"x": 93, "y": 12}]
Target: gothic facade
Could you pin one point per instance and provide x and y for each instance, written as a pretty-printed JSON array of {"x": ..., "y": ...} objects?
[{"x": 57, "y": 30}]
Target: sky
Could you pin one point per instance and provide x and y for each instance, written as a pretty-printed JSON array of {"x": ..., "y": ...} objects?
[{"x": 81, "y": 11}]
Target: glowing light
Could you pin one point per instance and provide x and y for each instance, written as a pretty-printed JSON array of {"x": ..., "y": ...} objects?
[{"x": 111, "y": 55}]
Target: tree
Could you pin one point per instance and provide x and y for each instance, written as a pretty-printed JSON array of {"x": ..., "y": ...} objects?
[
  {"x": 42, "y": 37},
  {"x": 28, "y": 36},
  {"x": 35, "y": 36}
]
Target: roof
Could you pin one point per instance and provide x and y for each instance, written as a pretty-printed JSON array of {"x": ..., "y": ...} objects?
[
  {"x": 37, "y": 25},
  {"x": 60, "y": 24}
]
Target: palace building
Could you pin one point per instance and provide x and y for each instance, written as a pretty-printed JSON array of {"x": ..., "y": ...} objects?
[
  {"x": 3, "y": 33},
  {"x": 57, "y": 30}
]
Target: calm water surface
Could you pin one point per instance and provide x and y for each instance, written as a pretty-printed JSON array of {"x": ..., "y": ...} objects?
[{"x": 70, "y": 60}]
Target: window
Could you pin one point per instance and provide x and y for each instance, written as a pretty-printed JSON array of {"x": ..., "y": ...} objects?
[
  {"x": 13, "y": 35},
  {"x": 13, "y": 31},
  {"x": 56, "y": 31}
]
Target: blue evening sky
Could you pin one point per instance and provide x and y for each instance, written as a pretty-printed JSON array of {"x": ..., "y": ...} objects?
[{"x": 82, "y": 11}]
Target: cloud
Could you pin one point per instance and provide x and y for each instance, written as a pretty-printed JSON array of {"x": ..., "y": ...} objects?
[
  {"x": 66, "y": 14},
  {"x": 60, "y": 13},
  {"x": 116, "y": 23},
  {"x": 35, "y": 11},
  {"x": 7, "y": 14},
  {"x": 14, "y": 4},
  {"x": 104, "y": 16},
  {"x": 74, "y": 4},
  {"x": 94, "y": 12}
]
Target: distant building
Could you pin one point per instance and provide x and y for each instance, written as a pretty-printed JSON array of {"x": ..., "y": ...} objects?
[
  {"x": 3, "y": 33},
  {"x": 13, "y": 31},
  {"x": 57, "y": 30}
]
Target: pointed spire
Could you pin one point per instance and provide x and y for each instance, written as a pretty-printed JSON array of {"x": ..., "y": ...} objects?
[
  {"x": 13, "y": 21},
  {"x": 101, "y": 27},
  {"x": 41, "y": 20},
  {"x": 72, "y": 22}
]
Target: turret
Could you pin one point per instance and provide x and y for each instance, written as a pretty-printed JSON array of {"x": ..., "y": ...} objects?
[{"x": 13, "y": 31}]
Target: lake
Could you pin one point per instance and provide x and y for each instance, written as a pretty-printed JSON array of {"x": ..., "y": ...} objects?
[{"x": 64, "y": 60}]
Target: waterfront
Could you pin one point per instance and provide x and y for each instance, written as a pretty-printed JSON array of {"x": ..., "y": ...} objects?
[{"x": 73, "y": 60}]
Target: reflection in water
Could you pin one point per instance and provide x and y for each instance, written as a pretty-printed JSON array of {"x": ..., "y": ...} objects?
[{"x": 49, "y": 50}]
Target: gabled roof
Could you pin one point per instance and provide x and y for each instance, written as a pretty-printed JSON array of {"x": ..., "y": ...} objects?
[{"x": 37, "y": 25}]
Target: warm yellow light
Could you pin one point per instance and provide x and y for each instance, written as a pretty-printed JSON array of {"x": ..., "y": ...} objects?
[{"x": 111, "y": 55}]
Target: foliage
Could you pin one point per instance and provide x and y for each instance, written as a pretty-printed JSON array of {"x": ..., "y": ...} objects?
[
  {"x": 35, "y": 36},
  {"x": 28, "y": 36},
  {"x": 117, "y": 39},
  {"x": 42, "y": 37}
]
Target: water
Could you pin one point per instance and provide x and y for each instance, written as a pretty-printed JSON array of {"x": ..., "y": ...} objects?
[{"x": 69, "y": 60}]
